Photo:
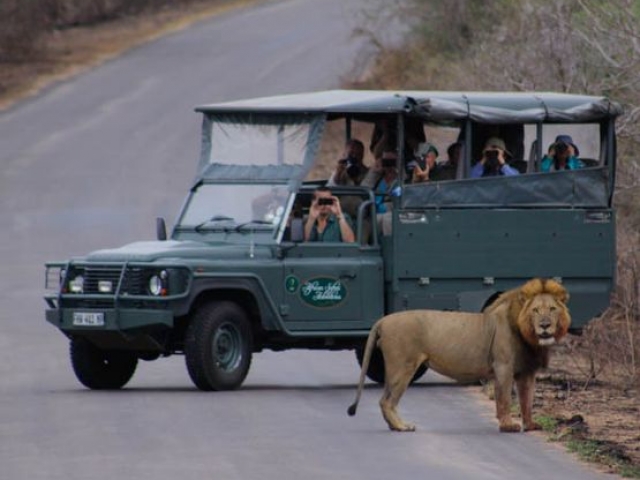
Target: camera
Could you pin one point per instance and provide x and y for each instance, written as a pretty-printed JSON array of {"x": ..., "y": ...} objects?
[
  {"x": 325, "y": 201},
  {"x": 353, "y": 169},
  {"x": 560, "y": 147},
  {"x": 492, "y": 159},
  {"x": 388, "y": 162}
]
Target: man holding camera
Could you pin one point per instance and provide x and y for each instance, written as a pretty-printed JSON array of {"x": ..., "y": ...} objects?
[
  {"x": 350, "y": 169},
  {"x": 424, "y": 167},
  {"x": 494, "y": 160},
  {"x": 384, "y": 180},
  {"x": 562, "y": 155},
  {"x": 326, "y": 222}
]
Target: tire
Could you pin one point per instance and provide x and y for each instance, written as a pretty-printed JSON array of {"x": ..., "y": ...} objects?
[
  {"x": 218, "y": 346},
  {"x": 375, "y": 372},
  {"x": 101, "y": 369}
]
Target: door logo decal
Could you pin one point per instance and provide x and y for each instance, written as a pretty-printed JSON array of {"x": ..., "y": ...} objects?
[
  {"x": 323, "y": 292},
  {"x": 291, "y": 284}
]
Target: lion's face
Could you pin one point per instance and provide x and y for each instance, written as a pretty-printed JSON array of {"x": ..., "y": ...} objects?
[{"x": 544, "y": 319}]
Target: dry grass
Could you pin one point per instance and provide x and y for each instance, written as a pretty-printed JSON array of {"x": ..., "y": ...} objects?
[{"x": 602, "y": 412}]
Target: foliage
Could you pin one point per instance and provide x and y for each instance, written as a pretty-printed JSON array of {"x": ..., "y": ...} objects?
[
  {"x": 20, "y": 25},
  {"x": 578, "y": 46},
  {"x": 547, "y": 423}
]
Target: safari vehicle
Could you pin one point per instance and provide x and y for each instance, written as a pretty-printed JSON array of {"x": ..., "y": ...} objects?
[{"x": 234, "y": 276}]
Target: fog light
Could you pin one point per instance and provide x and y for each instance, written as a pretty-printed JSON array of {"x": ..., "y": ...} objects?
[{"x": 105, "y": 286}]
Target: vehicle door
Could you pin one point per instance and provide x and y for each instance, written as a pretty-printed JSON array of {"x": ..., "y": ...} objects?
[{"x": 333, "y": 285}]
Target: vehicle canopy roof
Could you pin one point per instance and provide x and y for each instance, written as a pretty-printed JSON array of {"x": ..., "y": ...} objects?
[
  {"x": 436, "y": 106},
  {"x": 314, "y": 108}
]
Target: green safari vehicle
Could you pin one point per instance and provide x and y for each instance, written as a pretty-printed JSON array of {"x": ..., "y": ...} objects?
[{"x": 233, "y": 276}]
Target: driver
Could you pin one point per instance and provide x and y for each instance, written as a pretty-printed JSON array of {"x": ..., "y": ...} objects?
[{"x": 326, "y": 222}]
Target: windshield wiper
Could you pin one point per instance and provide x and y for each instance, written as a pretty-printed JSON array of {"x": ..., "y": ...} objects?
[
  {"x": 215, "y": 219},
  {"x": 242, "y": 226}
]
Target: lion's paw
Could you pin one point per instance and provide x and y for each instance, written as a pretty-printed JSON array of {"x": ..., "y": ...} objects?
[
  {"x": 405, "y": 427},
  {"x": 510, "y": 427},
  {"x": 532, "y": 426}
]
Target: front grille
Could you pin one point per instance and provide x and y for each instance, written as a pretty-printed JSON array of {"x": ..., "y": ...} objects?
[
  {"x": 94, "y": 275},
  {"x": 135, "y": 282},
  {"x": 120, "y": 280}
]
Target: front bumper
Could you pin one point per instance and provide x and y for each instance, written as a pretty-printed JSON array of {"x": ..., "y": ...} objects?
[{"x": 114, "y": 320}]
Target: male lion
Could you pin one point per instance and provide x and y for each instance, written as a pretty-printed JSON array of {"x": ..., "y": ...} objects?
[{"x": 509, "y": 341}]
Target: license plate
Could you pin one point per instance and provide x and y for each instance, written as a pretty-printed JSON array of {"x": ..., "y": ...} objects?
[{"x": 86, "y": 319}]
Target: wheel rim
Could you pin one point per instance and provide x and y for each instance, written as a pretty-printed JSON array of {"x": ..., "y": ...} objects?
[{"x": 227, "y": 347}]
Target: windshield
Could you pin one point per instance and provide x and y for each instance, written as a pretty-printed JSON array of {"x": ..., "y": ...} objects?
[
  {"x": 221, "y": 206},
  {"x": 243, "y": 144},
  {"x": 258, "y": 148}
]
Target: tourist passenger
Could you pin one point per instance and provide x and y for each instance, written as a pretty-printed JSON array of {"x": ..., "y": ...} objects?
[
  {"x": 423, "y": 166},
  {"x": 494, "y": 160},
  {"x": 453, "y": 156},
  {"x": 350, "y": 169},
  {"x": 562, "y": 155},
  {"x": 385, "y": 132},
  {"x": 327, "y": 222},
  {"x": 383, "y": 179}
]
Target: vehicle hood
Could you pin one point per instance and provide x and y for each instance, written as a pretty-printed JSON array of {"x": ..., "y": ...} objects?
[{"x": 152, "y": 251}]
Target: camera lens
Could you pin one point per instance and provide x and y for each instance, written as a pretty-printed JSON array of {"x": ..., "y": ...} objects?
[
  {"x": 561, "y": 147},
  {"x": 353, "y": 170}
]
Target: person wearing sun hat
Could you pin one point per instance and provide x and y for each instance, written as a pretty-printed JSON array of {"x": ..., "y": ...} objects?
[
  {"x": 423, "y": 166},
  {"x": 562, "y": 155},
  {"x": 494, "y": 160}
]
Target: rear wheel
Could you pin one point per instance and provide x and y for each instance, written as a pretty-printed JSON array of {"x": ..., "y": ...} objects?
[
  {"x": 101, "y": 369},
  {"x": 375, "y": 372},
  {"x": 218, "y": 346}
]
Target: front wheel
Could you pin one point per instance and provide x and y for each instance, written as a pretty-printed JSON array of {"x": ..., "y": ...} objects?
[
  {"x": 101, "y": 369},
  {"x": 218, "y": 346}
]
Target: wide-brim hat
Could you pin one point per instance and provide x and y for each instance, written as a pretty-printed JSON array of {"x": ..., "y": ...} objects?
[
  {"x": 424, "y": 148},
  {"x": 569, "y": 141},
  {"x": 496, "y": 142}
]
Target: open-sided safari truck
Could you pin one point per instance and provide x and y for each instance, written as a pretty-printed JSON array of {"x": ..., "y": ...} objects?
[{"x": 234, "y": 277}]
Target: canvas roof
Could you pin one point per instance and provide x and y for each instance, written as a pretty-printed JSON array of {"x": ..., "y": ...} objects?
[{"x": 485, "y": 107}]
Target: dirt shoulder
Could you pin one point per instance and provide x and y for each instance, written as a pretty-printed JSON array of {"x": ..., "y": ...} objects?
[{"x": 598, "y": 420}]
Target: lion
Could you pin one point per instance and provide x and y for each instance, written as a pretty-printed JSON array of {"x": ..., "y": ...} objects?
[{"x": 509, "y": 341}]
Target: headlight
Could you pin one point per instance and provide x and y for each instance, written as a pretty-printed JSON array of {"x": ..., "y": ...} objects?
[
  {"x": 76, "y": 285},
  {"x": 158, "y": 284}
]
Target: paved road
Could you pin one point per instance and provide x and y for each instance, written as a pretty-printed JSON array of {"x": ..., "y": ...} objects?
[{"x": 90, "y": 163}]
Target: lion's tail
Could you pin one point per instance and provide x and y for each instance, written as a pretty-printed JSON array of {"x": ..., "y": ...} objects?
[{"x": 366, "y": 357}]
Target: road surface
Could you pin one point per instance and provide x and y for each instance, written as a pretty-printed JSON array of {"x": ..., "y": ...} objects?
[{"x": 89, "y": 163}]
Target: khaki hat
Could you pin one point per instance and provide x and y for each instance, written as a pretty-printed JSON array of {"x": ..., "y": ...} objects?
[{"x": 496, "y": 142}]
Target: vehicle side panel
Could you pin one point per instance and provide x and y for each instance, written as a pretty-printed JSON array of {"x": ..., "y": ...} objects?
[{"x": 456, "y": 259}]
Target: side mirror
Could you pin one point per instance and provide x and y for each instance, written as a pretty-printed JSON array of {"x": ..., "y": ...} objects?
[{"x": 161, "y": 229}]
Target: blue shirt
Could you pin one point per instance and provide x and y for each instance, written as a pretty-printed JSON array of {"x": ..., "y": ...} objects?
[
  {"x": 478, "y": 171},
  {"x": 381, "y": 191},
  {"x": 548, "y": 164}
]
